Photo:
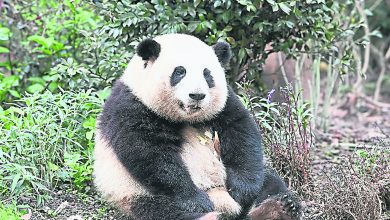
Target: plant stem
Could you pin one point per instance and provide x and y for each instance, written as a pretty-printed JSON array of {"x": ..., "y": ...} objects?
[{"x": 331, "y": 80}]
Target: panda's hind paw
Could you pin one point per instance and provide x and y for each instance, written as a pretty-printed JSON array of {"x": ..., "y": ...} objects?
[{"x": 283, "y": 206}]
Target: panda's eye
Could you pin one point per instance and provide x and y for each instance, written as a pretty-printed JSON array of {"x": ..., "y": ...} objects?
[
  {"x": 178, "y": 74},
  {"x": 179, "y": 71},
  {"x": 208, "y": 77},
  {"x": 206, "y": 73}
]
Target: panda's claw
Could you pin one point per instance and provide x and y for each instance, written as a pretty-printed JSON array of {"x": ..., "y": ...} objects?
[{"x": 291, "y": 206}]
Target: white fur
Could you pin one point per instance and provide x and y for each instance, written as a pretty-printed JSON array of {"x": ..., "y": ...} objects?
[
  {"x": 207, "y": 170},
  {"x": 223, "y": 202},
  {"x": 111, "y": 177},
  {"x": 152, "y": 84},
  {"x": 201, "y": 160}
]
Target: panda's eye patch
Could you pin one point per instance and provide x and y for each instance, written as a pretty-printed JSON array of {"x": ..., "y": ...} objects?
[
  {"x": 178, "y": 74},
  {"x": 208, "y": 77}
]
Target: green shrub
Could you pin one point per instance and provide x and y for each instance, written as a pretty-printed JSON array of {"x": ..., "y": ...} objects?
[
  {"x": 89, "y": 51},
  {"x": 292, "y": 26},
  {"x": 46, "y": 139}
]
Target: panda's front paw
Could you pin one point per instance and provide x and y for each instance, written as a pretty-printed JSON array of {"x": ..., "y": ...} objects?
[{"x": 223, "y": 202}]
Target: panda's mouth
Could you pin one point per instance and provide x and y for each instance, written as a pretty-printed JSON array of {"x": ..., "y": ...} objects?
[{"x": 192, "y": 108}]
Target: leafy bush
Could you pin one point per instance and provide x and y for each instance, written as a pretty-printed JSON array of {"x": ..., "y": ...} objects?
[
  {"x": 5, "y": 35},
  {"x": 293, "y": 27},
  {"x": 34, "y": 41},
  {"x": 85, "y": 57},
  {"x": 46, "y": 139},
  {"x": 247, "y": 25}
]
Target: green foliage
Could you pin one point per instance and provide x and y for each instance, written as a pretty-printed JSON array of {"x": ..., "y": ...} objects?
[
  {"x": 71, "y": 47},
  {"x": 5, "y": 35},
  {"x": 9, "y": 212},
  {"x": 373, "y": 161},
  {"x": 46, "y": 139},
  {"x": 8, "y": 86},
  {"x": 379, "y": 16},
  {"x": 262, "y": 109},
  {"x": 39, "y": 35},
  {"x": 79, "y": 168}
]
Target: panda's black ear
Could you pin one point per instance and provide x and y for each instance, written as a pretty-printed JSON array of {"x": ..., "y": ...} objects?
[
  {"x": 223, "y": 52},
  {"x": 148, "y": 49}
]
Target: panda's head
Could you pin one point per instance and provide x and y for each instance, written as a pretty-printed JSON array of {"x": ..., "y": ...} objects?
[{"x": 179, "y": 77}]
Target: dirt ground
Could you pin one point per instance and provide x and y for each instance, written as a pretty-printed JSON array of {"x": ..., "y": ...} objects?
[
  {"x": 71, "y": 205},
  {"x": 351, "y": 129},
  {"x": 362, "y": 124}
]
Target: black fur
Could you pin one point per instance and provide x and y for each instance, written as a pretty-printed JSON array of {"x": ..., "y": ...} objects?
[
  {"x": 149, "y": 147},
  {"x": 161, "y": 207},
  {"x": 241, "y": 151},
  {"x": 209, "y": 78},
  {"x": 178, "y": 74},
  {"x": 223, "y": 52},
  {"x": 273, "y": 185},
  {"x": 275, "y": 188},
  {"x": 148, "y": 49}
]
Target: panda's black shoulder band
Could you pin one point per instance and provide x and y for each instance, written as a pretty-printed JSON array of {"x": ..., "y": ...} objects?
[{"x": 148, "y": 49}]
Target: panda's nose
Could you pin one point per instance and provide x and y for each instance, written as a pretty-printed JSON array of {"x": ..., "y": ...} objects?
[{"x": 197, "y": 96}]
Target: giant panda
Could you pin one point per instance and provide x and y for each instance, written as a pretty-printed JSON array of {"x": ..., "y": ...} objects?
[{"x": 174, "y": 141}]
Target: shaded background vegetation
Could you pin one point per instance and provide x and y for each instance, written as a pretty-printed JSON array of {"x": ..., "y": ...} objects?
[{"x": 58, "y": 60}]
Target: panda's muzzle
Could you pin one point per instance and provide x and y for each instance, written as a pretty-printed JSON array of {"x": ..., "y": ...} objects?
[
  {"x": 194, "y": 107},
  {"x": 191, "y": 108},
  {"x": 193, "y": 103}
]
